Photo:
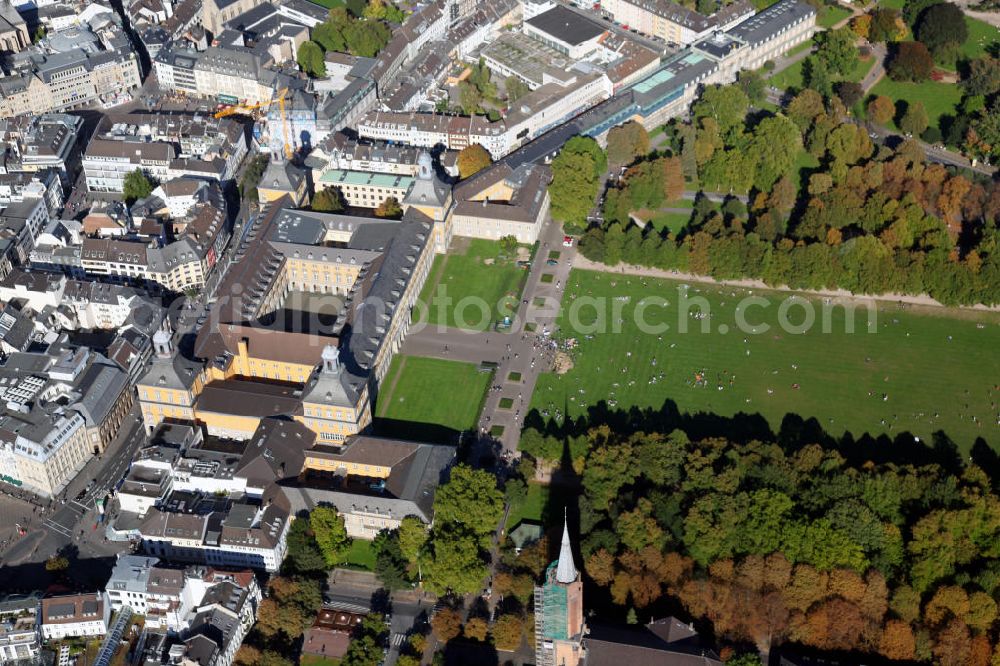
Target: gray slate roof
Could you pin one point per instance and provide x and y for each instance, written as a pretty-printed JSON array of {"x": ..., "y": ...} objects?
[
  {"x": 409, "y": 490},
  {"x": 765, "y": 24}
]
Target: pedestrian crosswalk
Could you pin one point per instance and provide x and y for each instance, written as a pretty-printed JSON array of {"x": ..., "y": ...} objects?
[
  {"x": 348, "y": 607},
  {"x": 49, "y": 524},
  {"x": 398, "y": 640}
]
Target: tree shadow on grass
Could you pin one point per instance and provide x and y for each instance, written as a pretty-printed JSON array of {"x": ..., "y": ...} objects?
[{"x": 793, "y": 433}]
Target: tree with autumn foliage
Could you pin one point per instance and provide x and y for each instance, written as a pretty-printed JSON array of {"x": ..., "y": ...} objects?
[
  {"x": 911, "y": 62},
  {"x": 514, "y": 584},
  {"x": 627, "y": 142},
  {"x": 507, "y": 632},
  {"x": 389, "y": 208},
  {"x": 772, "y": 545},
  {"x": 881, "y": 110},
  {"x": 446, "y": 624},
  {"x": 869, "y": 219},
  {"x": 475, "y": 629},
  {"x": 289, "y": 608},
  {"x": 861, "y": 25},
  {"x": 472, "y": 159},
  {"x": 885, "y": 25},
  {"x": 328, "y": 200}
]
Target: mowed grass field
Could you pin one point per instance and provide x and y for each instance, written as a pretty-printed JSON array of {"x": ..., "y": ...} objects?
[
  {"x": 791, "y": 78},
  {"x": 459, "y": 282},
  {"x": 432, "y": 391},
  {"x": 361, "y": 555},
  {"x": 673, "y": 222},
  {"x": 533, "y": 506},
  {"x": 938, "y": 98},
  {"x": 832, "y": 14},
  {"x": 981, "y": 36},
  {"x": 669, "y": 216},
  {"x": 920, "y": 372}
]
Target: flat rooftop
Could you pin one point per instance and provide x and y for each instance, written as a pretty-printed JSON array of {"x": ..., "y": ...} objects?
[
  {"x": 683, "y": 70},
  {"x": 566, "y": 25},
  {"x": 527, "y": 57},
  {"x": 345, "y": 177}
]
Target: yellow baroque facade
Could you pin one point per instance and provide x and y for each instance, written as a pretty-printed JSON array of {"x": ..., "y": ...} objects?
[{"x": 264, "y": 354}]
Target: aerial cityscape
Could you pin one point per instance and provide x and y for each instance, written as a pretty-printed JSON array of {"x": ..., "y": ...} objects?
[{"x": 521, "y": 332}]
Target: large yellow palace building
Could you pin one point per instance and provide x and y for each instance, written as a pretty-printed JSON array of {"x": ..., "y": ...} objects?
[
  {"x": 310, "y": 312},
  {"x": 308, "y": 317}
]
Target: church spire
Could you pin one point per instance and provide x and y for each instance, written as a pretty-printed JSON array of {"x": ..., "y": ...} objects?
[{"x": 566, "y": 570}]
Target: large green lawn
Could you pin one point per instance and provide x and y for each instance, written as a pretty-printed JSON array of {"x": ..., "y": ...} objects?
[
  {"x": 831, "y": 15},
  {"x": 981, "y": 35},
  {"x": 361, "y": 555},
  {"x": 329, "y": 4},
  {"x": 916, "y": 373},
  {"x": 472, "y": 289},
  {"x": 673, "y": 222},
  {"x": 792, "y": 77},
  {"x": 805, "y": 162},
  {"x": 670, "y": 216},
  {"x": 938, "y": 98},
  {"x": 435, "y": 392},
  {"x": 859, "y": 70},
  {"x": 533, "y": 506}
]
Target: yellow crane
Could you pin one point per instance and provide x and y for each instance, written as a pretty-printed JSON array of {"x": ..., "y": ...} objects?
[{"x": 244, "y": 108}]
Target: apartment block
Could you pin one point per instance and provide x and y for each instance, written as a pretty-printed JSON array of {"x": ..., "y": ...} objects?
[
  {"x": 75, "y": 615},
  {"x": 61, "y": 409},
  {"x": 20, "y": 635},
  {"x": 170, "y": 597}
]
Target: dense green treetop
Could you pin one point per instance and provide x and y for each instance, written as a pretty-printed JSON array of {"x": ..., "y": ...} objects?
[{"x": 774, "y": 543}]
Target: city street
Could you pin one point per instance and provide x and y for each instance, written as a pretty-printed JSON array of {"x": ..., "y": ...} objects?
[
  {"x": 353, "y": 591},
  {"x": 73, "y": 522}
]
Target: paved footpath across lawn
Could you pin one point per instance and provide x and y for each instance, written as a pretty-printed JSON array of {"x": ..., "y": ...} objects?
[{"x": 523, "y": 356}]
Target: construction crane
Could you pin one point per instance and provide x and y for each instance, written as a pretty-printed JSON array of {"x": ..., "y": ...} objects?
[{"x": 244, "y": 108}]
